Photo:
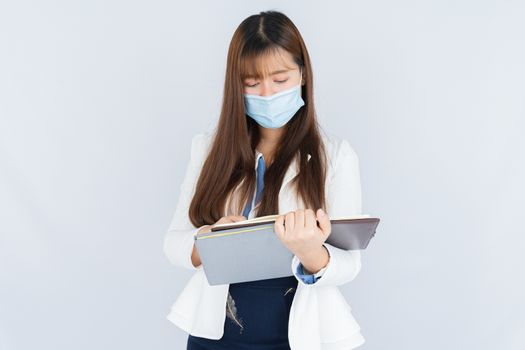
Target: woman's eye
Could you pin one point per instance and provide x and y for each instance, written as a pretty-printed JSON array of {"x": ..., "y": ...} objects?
[{"x": 277, "y": 81}]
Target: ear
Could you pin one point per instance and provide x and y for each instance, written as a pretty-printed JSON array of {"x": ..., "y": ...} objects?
[{"x": 303, "y": 80}]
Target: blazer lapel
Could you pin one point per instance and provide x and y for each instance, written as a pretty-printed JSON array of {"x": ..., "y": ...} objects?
[{"x": 292, "y": 170}]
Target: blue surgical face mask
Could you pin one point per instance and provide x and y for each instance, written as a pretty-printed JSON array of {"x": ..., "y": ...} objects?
[{"x": 276, "y": 110}]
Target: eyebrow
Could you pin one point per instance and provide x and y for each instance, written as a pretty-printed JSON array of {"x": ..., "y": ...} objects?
[
  {"x": 279, "y": 71},
  {"x": 272, "y": 73}
]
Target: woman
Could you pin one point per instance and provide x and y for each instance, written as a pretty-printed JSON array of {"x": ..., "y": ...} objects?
[{"x": 268, "y": 138}]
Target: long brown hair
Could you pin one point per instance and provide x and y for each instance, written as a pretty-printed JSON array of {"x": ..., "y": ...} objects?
[{"x": 230, "y": 165}]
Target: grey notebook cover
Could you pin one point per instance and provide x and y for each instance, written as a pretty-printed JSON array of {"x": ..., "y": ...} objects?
[{"x": 255, "y": 252}]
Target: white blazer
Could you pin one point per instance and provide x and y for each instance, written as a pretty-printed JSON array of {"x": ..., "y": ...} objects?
[{"x": 320, "y": 318}]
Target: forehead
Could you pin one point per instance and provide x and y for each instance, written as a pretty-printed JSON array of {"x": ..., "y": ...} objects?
[{"x": 264, "y": 64}]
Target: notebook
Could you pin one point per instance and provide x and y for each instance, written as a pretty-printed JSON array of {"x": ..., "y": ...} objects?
[{"x": 250, "y": 250}]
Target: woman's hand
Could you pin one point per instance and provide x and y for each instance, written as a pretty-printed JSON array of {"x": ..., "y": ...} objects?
[
  {"x": 195, "y": 257},
  {"x": 223, "y": 220},
  {"x": 299, "y": 232}
]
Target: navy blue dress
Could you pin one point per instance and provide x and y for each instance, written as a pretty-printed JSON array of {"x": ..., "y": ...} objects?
[{"x": 262, "y": 308}]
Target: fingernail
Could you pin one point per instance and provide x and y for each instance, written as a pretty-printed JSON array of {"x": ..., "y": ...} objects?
[{"x": 321, "y": 212}]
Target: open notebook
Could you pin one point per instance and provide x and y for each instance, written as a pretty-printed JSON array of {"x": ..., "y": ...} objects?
[
  {"x": 250, "y": 250},
  {"x": 271, "y": 218}
]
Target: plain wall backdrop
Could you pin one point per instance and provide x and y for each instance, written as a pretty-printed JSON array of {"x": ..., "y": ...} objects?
[{"x": 98, "y": 104}]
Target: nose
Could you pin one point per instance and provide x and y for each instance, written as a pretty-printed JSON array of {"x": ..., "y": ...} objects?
[{"x": 266, "y": 89}]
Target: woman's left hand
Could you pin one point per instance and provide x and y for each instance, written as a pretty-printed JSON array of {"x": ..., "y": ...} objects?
[{"x": 299, "y": 232}]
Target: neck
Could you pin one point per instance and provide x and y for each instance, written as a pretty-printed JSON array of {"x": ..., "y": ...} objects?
[{"x": 269, "y": 139}]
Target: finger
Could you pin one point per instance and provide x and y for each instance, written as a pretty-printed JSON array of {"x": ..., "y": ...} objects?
[
  {"x": 324, "y": 222},
  {"x": 299, "y": 218},
  {"x": 279, "y": 225},
  {"x": 229, "y": 219},
  {"x": 222, "y": 220},
  {"x": 289, "y": 222},
  {"x": 310, "y": 219}
]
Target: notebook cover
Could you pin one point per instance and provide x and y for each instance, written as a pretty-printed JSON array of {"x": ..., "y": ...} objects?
[{"x": 254, "y": 252}]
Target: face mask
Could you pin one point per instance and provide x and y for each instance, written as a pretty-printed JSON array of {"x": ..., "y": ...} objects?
[{"x": 276, "y": 110}]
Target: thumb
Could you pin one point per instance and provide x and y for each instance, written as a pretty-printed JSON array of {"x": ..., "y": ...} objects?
[
  {"x": 324, "y": 222},
  {"x": 236, "y": 218}
]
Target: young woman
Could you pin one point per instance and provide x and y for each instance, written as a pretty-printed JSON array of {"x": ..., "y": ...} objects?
[{"x": 268, "y": 156}]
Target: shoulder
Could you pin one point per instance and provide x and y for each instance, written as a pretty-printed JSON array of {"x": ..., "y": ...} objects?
[
  {"x": 338, "y": 149},
  {"x": 202, "y": 138},
  {"x": 200, "y": 144}
]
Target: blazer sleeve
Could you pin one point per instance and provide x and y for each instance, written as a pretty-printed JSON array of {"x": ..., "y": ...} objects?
[
  {"x": 179, "y": 239},
  {"x": 343, "y": 198}
]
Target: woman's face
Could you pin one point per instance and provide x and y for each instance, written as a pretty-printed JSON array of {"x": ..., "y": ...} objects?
[{"x": 283, "y": 74}]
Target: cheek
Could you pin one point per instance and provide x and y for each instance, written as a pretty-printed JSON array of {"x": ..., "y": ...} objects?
[
  {"x": 292, "y": 82},
  {"x": 288, "y": 85},
  {"x": 251, "y": 91}
]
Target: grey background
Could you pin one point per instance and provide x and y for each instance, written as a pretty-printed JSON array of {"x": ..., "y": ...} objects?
[{"x": 98, "y": 104}]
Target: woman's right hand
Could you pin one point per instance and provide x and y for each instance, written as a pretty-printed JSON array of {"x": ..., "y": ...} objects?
[
  {"x": 223, "y": 220},
  {"x": 195, "y": 258}
]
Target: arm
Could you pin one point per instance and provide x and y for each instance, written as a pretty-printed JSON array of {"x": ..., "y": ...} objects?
[
  {"x": 308, "y": 277},
  {"x": 343, "y": 198},
  {"x": 179, "y": 245}
]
